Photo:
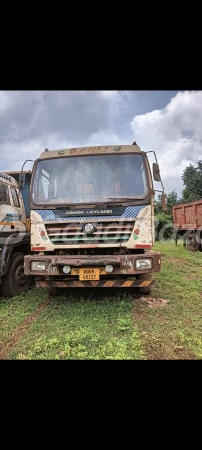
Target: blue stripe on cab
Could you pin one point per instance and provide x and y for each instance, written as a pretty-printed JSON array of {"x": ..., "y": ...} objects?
[{"x": 130, "y": 213}]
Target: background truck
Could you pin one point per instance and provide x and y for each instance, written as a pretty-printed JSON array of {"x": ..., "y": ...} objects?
[
  {"x": 92, "y": 219},
  {"x": 14, "y": 233},
  {"x": 187, "y": 219}
]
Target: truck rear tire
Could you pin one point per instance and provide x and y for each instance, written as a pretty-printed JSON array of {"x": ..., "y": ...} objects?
[
  {"x": 145, "y": 290},
  {"x": 191, "y": 243},
  {"x": 15, "y": 281}
]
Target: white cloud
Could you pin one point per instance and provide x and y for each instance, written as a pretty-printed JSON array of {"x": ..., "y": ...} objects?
[
  {"x": 14, "y": 155},
  {"x": 33, "y": 120},
  {"x": 109, "y": 95},
  {"x": 106, "y": 137},
  {"x": 175, "y": 133},
  {"x": 5, "y": 101},
  {"x": 30, "y": 121}
]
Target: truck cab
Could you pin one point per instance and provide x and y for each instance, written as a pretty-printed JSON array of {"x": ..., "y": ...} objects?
[
  {"x": 12, "y": 210},
  {"x": 92, "y": 219},
  {"x": 14, "y": 233}
]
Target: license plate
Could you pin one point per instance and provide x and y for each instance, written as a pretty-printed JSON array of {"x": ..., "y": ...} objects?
[
  {"x": 89, "y": 274},
  {"x": 76, "y": 271}
]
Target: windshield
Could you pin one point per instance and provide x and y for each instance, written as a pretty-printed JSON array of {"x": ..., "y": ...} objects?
[{"x": 89, "y": 179}]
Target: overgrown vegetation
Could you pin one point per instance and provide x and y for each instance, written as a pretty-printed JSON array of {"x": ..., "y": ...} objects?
[
  {"x": 103, "y": 325},
  {"x": 164, "y": 226},
  {"x": 192, "y": 180},
  {"x": 164, "y": 220}
]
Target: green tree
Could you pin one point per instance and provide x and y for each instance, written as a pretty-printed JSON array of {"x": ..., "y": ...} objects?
[
  {"x": 157, "y": 205},
  {"x": 192, "y": 180},
  {"x": 171, "y": 200},
  {"x": 164, "y": 225},
  {"x": 164, "y": 219}
]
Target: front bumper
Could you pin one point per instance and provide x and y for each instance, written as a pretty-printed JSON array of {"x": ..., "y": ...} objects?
[
  {"x": 123, "y": 264},
  {"x": 107, "y": 283}
]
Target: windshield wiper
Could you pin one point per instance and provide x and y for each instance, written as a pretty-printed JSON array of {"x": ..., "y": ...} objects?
[
  {"x": 90, "y": 205},
  {"x": 61, "y": 207},
  {"x": 124, "y": 198},
  {"x": 117, "y": 199}
]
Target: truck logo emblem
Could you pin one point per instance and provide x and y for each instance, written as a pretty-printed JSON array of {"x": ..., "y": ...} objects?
[{"x": 89, "y": 228}]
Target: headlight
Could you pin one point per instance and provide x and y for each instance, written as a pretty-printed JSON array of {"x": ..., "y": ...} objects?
[
  {"x": 143, "y": 263},
  {"x": 66, "y": 269},
  {"x": 38, "y": 265},
  {"x": 109, "y": 268}
]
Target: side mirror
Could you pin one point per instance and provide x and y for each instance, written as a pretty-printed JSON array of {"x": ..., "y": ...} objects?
[
  {"x": 156, "y": 172},
  {"x": 22, "y": 178}
]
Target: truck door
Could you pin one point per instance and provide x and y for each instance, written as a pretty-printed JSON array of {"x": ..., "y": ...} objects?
[
  {"x": 4, "y": 209},
  {"x": 20, "y": 216}
]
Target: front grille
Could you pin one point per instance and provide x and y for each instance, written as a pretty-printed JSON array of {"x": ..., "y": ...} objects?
[{"x": 105, "y": 233}]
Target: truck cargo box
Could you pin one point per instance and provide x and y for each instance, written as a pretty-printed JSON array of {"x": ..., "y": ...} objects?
[{"x": 188, "y": 216}]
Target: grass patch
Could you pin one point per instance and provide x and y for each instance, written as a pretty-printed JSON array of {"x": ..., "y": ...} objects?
[
  {"x": 174, "y": 332},
  {"x": 120, "y": 326},
  {"x": 14, "y": 310},
  {"x": 72, "y": 328}
]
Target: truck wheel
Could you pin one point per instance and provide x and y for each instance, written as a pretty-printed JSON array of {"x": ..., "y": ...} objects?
[
  {"x": 191, "y": 243},
  {"x": 145, "y": 290},
  {"x": 53, "y": 291},
  {"x": 15, "y": 281}
]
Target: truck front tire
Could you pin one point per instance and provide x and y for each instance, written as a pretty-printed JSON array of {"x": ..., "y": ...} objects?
[{"x": 15, "y": 281}]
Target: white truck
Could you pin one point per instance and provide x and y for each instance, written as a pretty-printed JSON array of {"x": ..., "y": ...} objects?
[
  {"x": 14, "y": 233},
  {"x": 92, "y": 219}
]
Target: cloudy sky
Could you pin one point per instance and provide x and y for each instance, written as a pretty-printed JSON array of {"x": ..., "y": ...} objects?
[{"x": 169, "y": 122}]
